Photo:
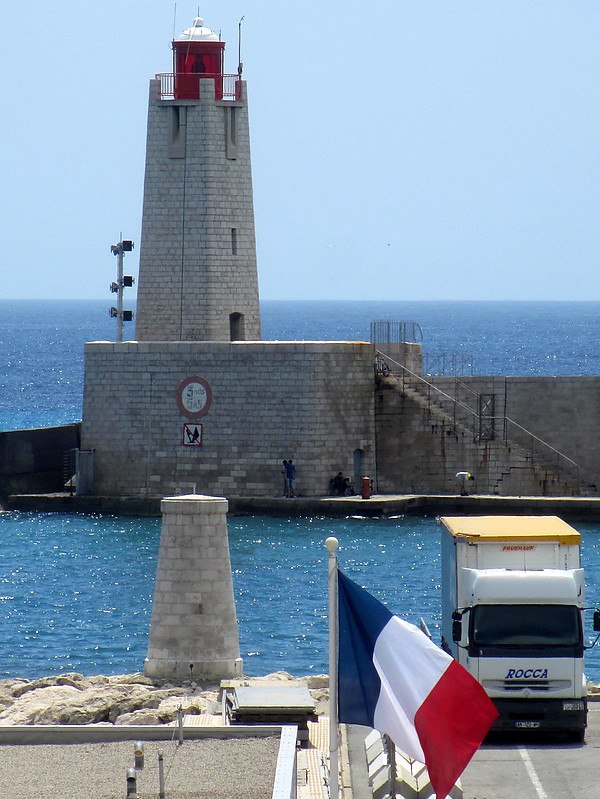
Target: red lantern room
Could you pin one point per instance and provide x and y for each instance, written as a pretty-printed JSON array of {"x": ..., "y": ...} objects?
[{"x": 197, "y": 53}]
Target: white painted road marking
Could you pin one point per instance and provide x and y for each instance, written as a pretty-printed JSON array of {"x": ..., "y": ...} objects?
[{"x": 532, "y": 774}]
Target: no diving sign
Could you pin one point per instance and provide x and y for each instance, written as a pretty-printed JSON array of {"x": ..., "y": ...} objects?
[{"x": 192, "y": 435}]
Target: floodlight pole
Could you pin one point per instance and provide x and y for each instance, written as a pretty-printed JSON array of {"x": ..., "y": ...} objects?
[
  {"x": 117, "y": 288},
  {"x": 120, "y": 291}
]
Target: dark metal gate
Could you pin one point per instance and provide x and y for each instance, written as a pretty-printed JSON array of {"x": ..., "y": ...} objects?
[{"x": 487, "y": 415}]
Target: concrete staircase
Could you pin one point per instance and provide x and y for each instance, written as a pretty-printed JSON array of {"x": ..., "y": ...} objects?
[{"x": 500, "y": 466}]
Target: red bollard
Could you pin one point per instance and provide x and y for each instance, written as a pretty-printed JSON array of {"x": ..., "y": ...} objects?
[{"x": 365, "y": 488}]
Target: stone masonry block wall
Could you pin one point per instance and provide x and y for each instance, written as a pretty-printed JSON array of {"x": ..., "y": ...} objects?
[
  {"x": 407, "y": 353},
  {"x": 561, "y": 411},
  {"x": 420, "y": 450},
  {"x": 467, "y": 389},
  {"x": 195, "y": 271},
  {"x": 416, "y": 452},
  {"x": 32, "y": 460},
  {"x": 193, "y": 633},
  {"x": 312, "y": 402}
]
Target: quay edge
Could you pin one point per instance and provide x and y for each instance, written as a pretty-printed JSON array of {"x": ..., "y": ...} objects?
[{"x": 583, "y": 509}]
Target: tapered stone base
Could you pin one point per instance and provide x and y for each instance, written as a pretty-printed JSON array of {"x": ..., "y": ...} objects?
[
  {"x": 193, "y": 632},
  {"x": 180, "y": 671}
]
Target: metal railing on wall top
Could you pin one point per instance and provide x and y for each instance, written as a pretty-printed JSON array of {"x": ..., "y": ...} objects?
[{"x": 226, "y": 86}]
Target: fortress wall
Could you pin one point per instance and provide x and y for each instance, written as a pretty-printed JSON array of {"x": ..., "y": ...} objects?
[
  {"x": 465, "y": 389},
  {"x": 32, "y": 460},
  {"x": 312, "y": 402},
  {"x": 562, "y": 411},
  {"x": 420, "y": 452},
  {"x": 418, "y": 448},
  {"x": 406, "y": 452}
]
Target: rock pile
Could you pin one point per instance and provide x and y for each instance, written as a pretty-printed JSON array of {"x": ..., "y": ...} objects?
[{"x": 122, "y": 699}]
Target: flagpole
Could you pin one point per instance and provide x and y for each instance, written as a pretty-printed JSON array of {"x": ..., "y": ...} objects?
[{"x": 332, "y": 546}]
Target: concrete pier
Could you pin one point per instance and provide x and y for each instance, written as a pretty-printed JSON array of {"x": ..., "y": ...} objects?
[
  {"x": 573, "y": 509},
  {"x": 193, "y": 633}
]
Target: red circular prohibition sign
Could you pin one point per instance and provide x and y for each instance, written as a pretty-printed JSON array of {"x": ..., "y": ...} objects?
[{"x": 194, "y": 397}]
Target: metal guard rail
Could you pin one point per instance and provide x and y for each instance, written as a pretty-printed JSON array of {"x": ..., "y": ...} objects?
[
  {"x": 572, "y": 466},
  {"x": 231, "y": 84}
]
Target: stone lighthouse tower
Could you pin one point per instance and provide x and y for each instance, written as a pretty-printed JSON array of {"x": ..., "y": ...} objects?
[{"x": 198, "y": 277}]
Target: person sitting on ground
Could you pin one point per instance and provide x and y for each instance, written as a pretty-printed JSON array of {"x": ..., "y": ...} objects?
[{"x": 340, "y": 484}]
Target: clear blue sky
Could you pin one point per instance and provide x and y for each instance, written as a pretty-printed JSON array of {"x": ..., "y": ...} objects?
[{"x": 403, "y": 150}]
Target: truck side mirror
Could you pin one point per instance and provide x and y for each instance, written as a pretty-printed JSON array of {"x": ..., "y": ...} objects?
[
  {"x": 597, "y": 621},
  {"x": 456, "y": 626},
  {"x": 456, "y": 631}
]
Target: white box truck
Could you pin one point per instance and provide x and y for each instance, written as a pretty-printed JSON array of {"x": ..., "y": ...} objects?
[{"x": 512, "y": 615}]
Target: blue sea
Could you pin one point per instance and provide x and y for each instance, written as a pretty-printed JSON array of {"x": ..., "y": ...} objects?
[
  {"x": 76, "y": 590},
  {"x": 41, "y": 343}
]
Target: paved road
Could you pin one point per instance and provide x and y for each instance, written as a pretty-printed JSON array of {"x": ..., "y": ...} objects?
[{"x": 537, "y": 771}]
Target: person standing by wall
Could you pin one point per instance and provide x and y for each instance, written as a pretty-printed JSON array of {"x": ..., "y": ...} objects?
[
  {"x": 290, "y": 475},
  {"x": 285, "y": 479}
]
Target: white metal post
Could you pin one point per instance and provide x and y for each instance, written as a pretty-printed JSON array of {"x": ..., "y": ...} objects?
[
  {"x": 332, "y": 546},
  {"x": 161, "y": 776}
]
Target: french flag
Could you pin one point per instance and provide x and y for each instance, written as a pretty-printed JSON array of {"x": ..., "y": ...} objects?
[{"x": 392, "y": 678}]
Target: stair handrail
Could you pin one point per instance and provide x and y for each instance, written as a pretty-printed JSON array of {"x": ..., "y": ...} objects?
[
  {"x": 467, "y": 388},
  {"x": 406, "y": 371},
  {"x": 533, "y": 437},
  {"x": 505, "y": 419}
]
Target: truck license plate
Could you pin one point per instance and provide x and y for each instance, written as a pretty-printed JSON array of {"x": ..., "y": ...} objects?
[{"x": 528, "y": 725}]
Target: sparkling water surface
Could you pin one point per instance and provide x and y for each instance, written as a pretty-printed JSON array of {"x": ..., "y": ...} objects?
[
  {"x": 76, "y": 590},
  {"x": 41, "y": 342}
]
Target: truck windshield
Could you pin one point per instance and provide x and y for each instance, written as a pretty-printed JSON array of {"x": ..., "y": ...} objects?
[{"x": 525, "y": 626}]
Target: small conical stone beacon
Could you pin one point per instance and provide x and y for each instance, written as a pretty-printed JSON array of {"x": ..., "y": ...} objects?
[{"x": 193, "y": 632}]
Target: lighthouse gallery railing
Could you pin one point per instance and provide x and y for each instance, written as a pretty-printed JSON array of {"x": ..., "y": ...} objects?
[{"x": 227, "y": 87}]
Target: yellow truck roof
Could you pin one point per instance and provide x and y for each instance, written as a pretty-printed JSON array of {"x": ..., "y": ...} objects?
[{"x": 514, "y": 528}]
